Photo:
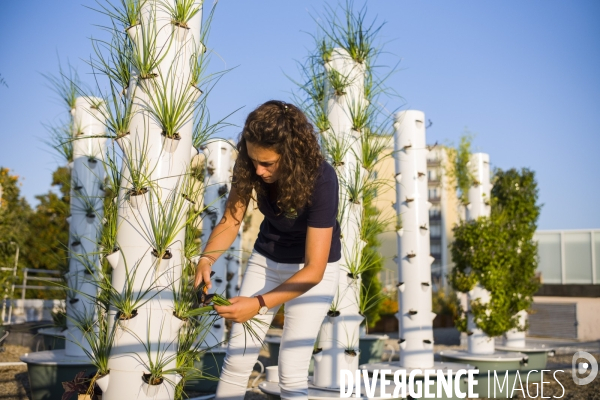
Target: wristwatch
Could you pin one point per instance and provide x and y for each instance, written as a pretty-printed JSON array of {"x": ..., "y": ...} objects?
[{"x": 263, "y": 307}]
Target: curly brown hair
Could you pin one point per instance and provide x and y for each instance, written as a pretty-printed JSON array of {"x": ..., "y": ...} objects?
[{"x": 285, "y": 129}]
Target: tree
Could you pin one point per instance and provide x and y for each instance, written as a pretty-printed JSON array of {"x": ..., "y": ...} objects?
[
  {"x": 47, "y": 243},
  {"x": 48, "y": 233},
  {"x": 14, "y": 213},
  {"x": 499, "y": 253},
  {"x": 514, "y": 206}
]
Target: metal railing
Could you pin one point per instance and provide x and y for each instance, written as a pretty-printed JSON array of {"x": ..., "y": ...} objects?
[
  {"x": 12, "y": 286},
  {"x": 27, "y": 278}
]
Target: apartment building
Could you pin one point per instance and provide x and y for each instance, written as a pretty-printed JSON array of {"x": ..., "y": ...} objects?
[{"x": 443, "y": 214}]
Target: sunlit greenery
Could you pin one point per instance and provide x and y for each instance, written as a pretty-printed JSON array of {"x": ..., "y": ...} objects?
[{"x": 499, "y": 253}]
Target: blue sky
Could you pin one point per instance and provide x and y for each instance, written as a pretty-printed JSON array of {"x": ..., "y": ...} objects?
[{"x": 521, "y": 75}]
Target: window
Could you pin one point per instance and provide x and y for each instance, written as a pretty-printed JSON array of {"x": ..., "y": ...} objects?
[
  {"x": 435, "y": 230},
  {"x": 434, "y": 193},
  {"x": 432, "y": 174},
  {"x": 435, "y": 211}
]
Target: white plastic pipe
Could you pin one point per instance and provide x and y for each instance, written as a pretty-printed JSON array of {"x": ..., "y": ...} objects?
[
  {"x": 414, "y": 258},
  {"x": 479, "y": 206},
  {"x": 155, "y": 327},
  {"x": 87, "y": 178},
  {"x": 219, "y": 168},
  {"x": 340, "y": 333},
  {"x": 515, "y": 337}
]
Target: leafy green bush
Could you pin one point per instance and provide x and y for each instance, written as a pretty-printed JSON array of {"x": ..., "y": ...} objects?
[{"x": 499, "y": 254}]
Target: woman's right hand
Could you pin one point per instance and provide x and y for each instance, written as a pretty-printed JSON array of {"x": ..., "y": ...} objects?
[{"x": 203, "y": 270}]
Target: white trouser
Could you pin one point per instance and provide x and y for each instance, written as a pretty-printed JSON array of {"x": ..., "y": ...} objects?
[{"x": 303, "y": 318}]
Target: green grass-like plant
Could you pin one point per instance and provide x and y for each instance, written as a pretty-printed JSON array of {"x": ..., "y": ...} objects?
[
  {"x": 109, "y": 228},
  {"x": 127, "y": 300},
  {"x": 204, "y": 129},
  {"x": 352, "y": 32},
  {"x": 358, "y": 263},
  {"x": 183, "y": 292},
  {"x": 373, "y": 146},
  {"x": 166, "y": 219},
  {"x": 112, "y": 174},
  {"x": 361, "y": 115},
  {"x": 336, "y": 147},
  {"x": 460, "y": 172},
  {"x": 100, "y": 337},
  {"x": 66, "y": 85},
  {"x": 117, "y": 112},
  {"x": 172, "y": 104},
  {"x": 145, "y": 55},
  {"x": 116, "y": 65},
  {"x": 249, "y": 326},
  {"x": 126, "y": 12},
  {"x": 356, "y": 186},
  {"x": 338, "y": 81},
  {"x": 369, "y": 299},
  {"x": 61, "y": 139},
  {"x": 314, "y": 86},
  {"x": 88, "y": 205},
  {"x": 157, "y": 358},
  {"x": 137, "y": 164},
  {"x": 324, "y": 49},
  {"x": 181, "y": 11},
  {"x": 192, "y": 336}
]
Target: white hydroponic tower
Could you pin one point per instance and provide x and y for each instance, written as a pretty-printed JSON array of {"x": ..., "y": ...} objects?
[
  {"x": 220, "y": 159},
  {"x": 515, "y": 338},
  {"x": 414, "y": 259},
  {"x": 479, "y": 206},
  {"x": 87, "y": 210},
  {"x": 339, "y": 334},
  {"x": 151, "y": 335}
]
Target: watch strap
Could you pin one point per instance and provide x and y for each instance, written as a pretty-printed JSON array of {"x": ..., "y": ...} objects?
[{"x": 261, "y": 301}]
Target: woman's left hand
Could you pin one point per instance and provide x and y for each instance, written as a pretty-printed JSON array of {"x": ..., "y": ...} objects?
[{"x": 241, "y": 309}]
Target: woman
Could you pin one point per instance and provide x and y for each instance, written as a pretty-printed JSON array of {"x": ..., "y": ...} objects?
[{"x": 295, "y": 256}]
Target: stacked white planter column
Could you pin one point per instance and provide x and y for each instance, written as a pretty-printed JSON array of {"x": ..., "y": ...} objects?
[
  {"x": 155, "y": 325},
  {"x": 339, "y": 333},
  {"x": 414, "y": 258},
  {"x": 234, "y": 256},
  {"x": 217, "y": 185},
  {"x": 515, "y": 337},
  {"x": 87, "y": 177},
  {"x": 479, "y": 206}
]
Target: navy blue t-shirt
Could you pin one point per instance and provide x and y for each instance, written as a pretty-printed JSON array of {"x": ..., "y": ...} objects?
[{"x": 282, "y": 236}]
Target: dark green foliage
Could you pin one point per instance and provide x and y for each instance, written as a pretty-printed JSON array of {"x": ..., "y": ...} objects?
[
  {"x": 371, "y": 287},
  {"x": 499, "y": 253},
  {"x": 514, "y": 205},
  {"x": 42, "y": 234},
  {"x": 460, "y": 173},
  {"x": 47, "y": 245},
  {"x": 14, "y": 213},
  {"x": 445, "y": 303}
]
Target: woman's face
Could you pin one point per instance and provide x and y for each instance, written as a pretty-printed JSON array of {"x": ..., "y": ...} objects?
[{"x": 265, "y": 160}]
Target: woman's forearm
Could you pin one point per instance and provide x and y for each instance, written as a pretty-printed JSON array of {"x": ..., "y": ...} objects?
[
  {"x": 225, "y": 232},
  {"x": 222, "y": 237}
]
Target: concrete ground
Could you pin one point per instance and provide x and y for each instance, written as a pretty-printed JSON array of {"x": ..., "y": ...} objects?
[{"x": 14, "y": 380}]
